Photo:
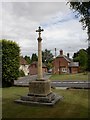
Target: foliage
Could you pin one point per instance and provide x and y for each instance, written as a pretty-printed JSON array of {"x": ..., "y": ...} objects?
[
  {"x": 21, "y": 73},
  {"x": 27, "y": 58},
  {"x": 49, "y": 65},
  {"x": 34, "y": 57},
  {"x": 88, "y": 51},
  {"x": 10, "y": 62},
  {"x": 0, "y": 64},
  {"x": 47, "y": 58},
  {"x": 83, "y": 9},
  {"x": 82, "y": 57}
]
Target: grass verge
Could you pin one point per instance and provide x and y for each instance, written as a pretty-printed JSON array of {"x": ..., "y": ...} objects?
[
  {"x": 79, "y": 76},
  {"x": 74, "y": 105}
]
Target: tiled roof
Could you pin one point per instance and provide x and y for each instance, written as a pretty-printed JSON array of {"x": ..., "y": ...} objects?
[
  {"x": 23, "y": 61},
  {"x": 74, "y": 64},
  {"x": 36, "y": 63},
  {"x": 67, "y": 58}
]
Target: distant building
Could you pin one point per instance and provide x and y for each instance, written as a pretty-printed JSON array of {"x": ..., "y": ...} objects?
[
  {"x": 24, "y": 66},
  {"x": 73, "y": 67},
  {"x": 33, "y": 68},
  {"x": 63, "y": 64}
]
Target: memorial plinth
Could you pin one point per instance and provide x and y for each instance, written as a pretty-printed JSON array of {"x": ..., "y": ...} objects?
[{"x": 40, "y": 89}]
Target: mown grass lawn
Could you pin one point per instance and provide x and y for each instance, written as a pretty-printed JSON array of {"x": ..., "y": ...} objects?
[
  {"x": 79, "y": 76},
  {"x": 74, "y": 105}
]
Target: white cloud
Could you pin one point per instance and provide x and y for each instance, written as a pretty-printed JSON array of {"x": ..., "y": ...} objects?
[
  {"x": 61, "y": 29},
  {"x": 34, "y": 0}
]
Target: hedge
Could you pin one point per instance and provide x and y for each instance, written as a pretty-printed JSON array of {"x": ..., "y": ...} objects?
[{"x": 10, "y": 62}]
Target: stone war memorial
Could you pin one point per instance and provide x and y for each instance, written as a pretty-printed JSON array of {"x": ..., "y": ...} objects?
[{"x": 40, "y": 89}]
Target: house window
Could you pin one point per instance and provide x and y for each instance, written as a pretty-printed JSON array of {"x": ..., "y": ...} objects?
[{"x": 64, "y": 69}]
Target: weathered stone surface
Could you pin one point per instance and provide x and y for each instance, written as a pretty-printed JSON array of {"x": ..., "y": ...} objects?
[
  {"x": 49, "y": 100},
  {"x": 40, "y": 87},
  {"x": 38, "y": 98},
  {"x": 40, "y": 94},
  {"x": 39, "y": 53}
]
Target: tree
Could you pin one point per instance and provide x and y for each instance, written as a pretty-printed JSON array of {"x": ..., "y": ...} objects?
[
  {"x": 82, "y": 57},
  {"x": 34, "y": 57},
  {"x": 0, "y": 64},
  {"x": 27, "y": 58},
  {"x": 83, "y": 9},
  {"x": 88, "y": 51},
  {"x": 47, "y": 58},
  {"x": 10, "y": 62}
]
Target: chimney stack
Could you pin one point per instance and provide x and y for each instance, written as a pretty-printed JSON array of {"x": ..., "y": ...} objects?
[
  {"x": 55, "y": 52},
  {"x": 61, "y": 52},
  {"x": 68, "y": 55}
]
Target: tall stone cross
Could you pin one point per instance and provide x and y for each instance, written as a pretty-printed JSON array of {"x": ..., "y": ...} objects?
[
  {"x": 40, "y": 76},
  {"x": 40, "y": 89}
]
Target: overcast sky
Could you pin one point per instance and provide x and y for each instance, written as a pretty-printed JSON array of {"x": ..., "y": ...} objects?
[{"x": 62, "y": 30}]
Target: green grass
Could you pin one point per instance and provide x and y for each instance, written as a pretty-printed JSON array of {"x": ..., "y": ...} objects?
[
  {"x": 74, "y": 104},
  {"x": 79, "y": 76}
]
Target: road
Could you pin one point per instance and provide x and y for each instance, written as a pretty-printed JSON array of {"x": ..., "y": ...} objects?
[
  {"x": 24, "y": 81},
  {"x": 71, "y": 84}
]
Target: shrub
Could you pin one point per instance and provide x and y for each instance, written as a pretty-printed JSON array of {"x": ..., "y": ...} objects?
[
  {"x": 21, "y": 73},
  {"x": 10, "y": 62}
]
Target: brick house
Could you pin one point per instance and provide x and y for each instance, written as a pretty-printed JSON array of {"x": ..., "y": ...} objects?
[
  {"x": 63, "y": 64},
  {"x": 24, "y": 66},
  {"x": 33, "y": 68}
]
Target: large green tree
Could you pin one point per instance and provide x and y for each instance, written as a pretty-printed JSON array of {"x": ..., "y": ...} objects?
[
  {"x": 10, "y": 62},
  {"x": 83, "y": 9},
  {"x": 0, "y": 64},
  {"x": 88, "y": 51},
  {"x": 47, "y": 58},
  {"x": 34, "y": 57},
  {"x": 82, "y": 57},
  {"x": 27, "y": 58}
]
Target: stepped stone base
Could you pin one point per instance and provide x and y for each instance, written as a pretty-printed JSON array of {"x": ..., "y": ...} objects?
[
  {"x": 49, "y": 100},
  {"x": 40, "y": 94}
]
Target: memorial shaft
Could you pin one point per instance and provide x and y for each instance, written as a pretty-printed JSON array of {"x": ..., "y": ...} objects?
[
  {"x": 39, "y": 54},
  {"x": 39, "y": 60}
]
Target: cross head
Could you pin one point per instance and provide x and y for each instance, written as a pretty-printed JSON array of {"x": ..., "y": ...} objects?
[{"x": 39, "y": 31}]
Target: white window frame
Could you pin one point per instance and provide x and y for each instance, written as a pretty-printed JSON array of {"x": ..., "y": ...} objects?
[{"x": 64, "y": 70}]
